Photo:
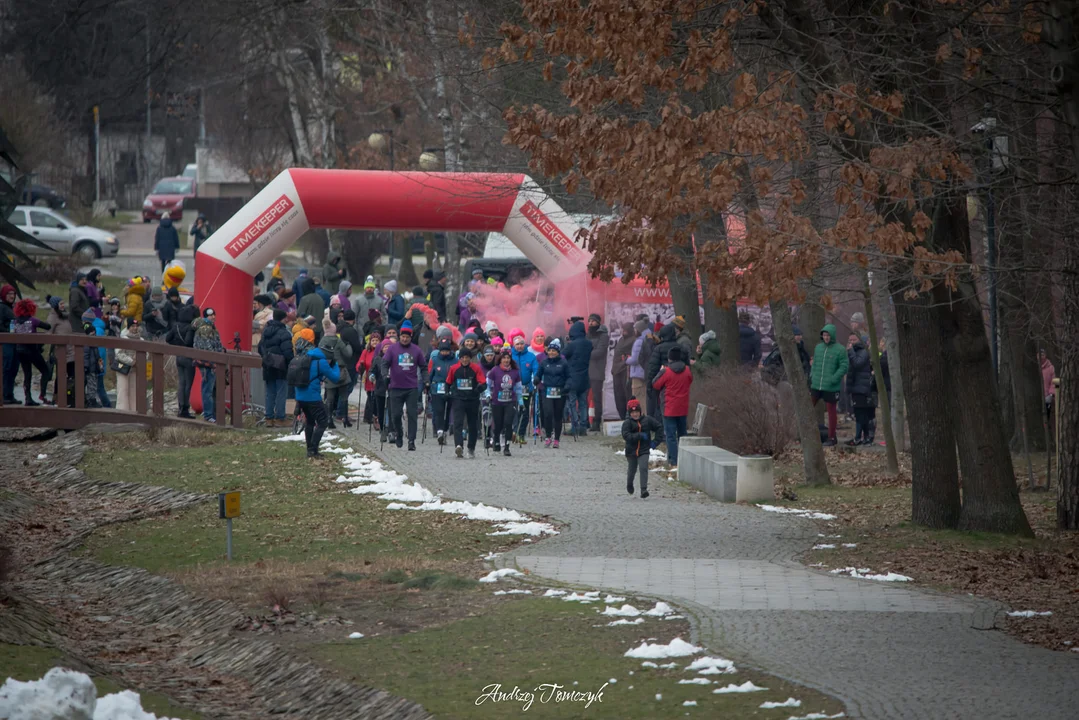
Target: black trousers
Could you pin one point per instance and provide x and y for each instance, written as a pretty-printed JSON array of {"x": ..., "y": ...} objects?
[
  {"x": 466, "y": 412},
  {"x": 185, "y": 376},
  {"x": 653, "y": 402},
  {"x": 402, "y": 401},
  {"x": 621, "y": 394},
  {"x": 637, "y": 465},
  {"x": 440, "y": 407},
  {"x": 554, "y": 409},
  {"x": 31, "y": 360},
  {"x": 317, "y": 418},
  {"x": 503, "y": 422}
]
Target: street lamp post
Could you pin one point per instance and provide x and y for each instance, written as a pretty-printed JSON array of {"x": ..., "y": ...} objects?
[{"x": 378, "y": 141}]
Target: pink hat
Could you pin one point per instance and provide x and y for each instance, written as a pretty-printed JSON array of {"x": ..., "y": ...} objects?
[{"x": 515, "y": 333}]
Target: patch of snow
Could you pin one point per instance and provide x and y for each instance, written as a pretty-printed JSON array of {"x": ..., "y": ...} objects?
[
  {"x": 592, "y": 594},
  {"x": 42, "y": 456},
  {"x": 712, "y": 666},
  {"x": 611, "y": 599},
  {"x": 495, "y": 575},
  {"x": 660, "y": 610},
  {"x": 64, "y": 694},
  {"x": 695, "y": 681},
  {"x": 554, "y": 593},
  {"x": 824, "y": 546},
  {"x": 867, "y": 574},
  {"x": 613, "y": 681},
  {"x": 624, "y": 611},
  {"x": 649, "y": 664},
  {"x": 811, "y": 514},
  {"x": 675, "y": 617},
  {"x": 745, "y": 687},
  {"x": 675, "y": 648},
  {"x": 491, "y": 556},
  {"x": 1029, "y": 613},
  {"x": 513, "y": 592},
  {"x": 850, "y": 545},
  {"x": 623, "y": 621},
  {"x": 789, "y": 702},
  {"x": 574, "y": 597},
  {"x": 355, "y": 636},
  {"x": 525, "y": 528},
  {"x": 827, "y": 536},
  {"x": 668, "y": 666},
  {"x": 659, "y": 696},
  {"x": 654, "y": 456},
  {"x": 689, "y": 703},
  {"x": 816, "y": 716}
]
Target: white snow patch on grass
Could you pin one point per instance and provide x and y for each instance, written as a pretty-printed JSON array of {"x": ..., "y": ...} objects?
[
  {"x": 745, "y": 687},
  {"x": 574, "y": 597},
  {"x": 495, "y": 575},
  {"x": 675, "y": 617},
  {"x": 525, "y": 528},
  {"x": 850, "y": 545},
  {"x": 490, "y": 556},
  {"x": 689, "y": 703},
  {"x": 867, "y": 574},
  {"x": 824, "y": 546},
  {"x": 1029, "y": 613},
  {"x": 675, "y": 648},
  {"x": 611, "y": 599},
  {"x": 649, "y": 664},
  {"x": 355, "y": 636},
  {"x": 554, "y": 593},
  {"x": 817, "y": 716},
  {"x": 660, "y": 610},
  {"x": 668, "y": 666},
  {"x": 811, "y": 514},
  {"x": 624, "y": 611},
  {"x": 659, "y": 696},
  {"x": 695, "y": 681},
  {"x": 623, "y": 621},
  {"x": 789, "y": 702},
  {"x": 712, "y": 666},
  {"x": 513, "y": 592},
  {"x": 63, "y": 694},
  {"x": 42, "y": 456}
]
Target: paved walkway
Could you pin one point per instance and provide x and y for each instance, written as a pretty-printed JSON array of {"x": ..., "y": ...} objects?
[{"x": 886, "y": 650}]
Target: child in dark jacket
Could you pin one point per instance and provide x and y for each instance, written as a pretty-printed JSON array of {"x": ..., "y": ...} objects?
[
  {"x": 466, "y": 382},
  {"x": 637, "y": 430}
]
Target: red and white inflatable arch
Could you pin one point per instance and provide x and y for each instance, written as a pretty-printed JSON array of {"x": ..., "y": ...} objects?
[{"x": 299, "y": 199}]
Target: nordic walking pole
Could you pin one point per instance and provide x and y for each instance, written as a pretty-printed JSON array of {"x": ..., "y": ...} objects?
[
  {"x": 386, "y": 422},
  {"x": 423, "y": 439}
]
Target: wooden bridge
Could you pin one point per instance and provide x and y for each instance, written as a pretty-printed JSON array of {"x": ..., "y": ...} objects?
[{"x": 229, "y": 390}]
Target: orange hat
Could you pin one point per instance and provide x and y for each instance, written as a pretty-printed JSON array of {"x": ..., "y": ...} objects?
[{"x": 308, "y": 334}]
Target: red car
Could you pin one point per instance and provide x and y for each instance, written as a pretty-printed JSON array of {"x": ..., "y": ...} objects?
[{"x": 167, "y": 198}]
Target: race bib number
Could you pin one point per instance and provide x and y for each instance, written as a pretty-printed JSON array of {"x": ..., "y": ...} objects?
[
  {"x": 405, "y": 361},
  {"x": 464, "y": 383},
  {"x": 554, "y": 393},
  {"x": 440, "y": 388},
  {"x": 505, "y": 396}
]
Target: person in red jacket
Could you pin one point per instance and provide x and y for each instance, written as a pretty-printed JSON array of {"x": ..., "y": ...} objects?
[
  {"x": 375, "y": 406},
  {"x": 675, "y": 381}
]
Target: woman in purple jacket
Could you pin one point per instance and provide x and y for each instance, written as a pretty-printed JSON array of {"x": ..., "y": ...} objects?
[{"x": 504, "y": 383}]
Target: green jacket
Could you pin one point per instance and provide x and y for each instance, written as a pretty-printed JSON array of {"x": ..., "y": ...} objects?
[
  {"x": 830, "y": 364},
  {"x": 709, "y": 355}
]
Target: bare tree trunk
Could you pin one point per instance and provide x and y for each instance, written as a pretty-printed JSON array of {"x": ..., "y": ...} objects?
[
  {"x": 429, "y": 248},
  {"x": 990, "y": 495},
  {"x": 684, "y": 295},
  {"x": 882, "y": 389},
  {"x": 407, "y": 278},
  {"x": 935, "y": 500},
  {"x": 896, "y": 397},
  {"x": 361, "y": 250},
  {"x": 816, "y": 469},
  {"x": 1062, "y": 33}
]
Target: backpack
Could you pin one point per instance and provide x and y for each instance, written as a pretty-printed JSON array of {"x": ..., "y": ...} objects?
[{"x": 299, "y": 371}]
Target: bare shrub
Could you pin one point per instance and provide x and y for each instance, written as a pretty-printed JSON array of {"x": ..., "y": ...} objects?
[
  {"x": 746, "y": 416},
  {"x": 53, "y": 269}
]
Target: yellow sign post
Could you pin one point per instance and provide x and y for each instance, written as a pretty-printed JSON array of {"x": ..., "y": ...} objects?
[{"x": 228, "y": 505}]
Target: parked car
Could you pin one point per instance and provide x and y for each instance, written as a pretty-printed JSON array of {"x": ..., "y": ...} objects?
[
  {"x": 62, "y": 234},
  {"x": 37, "y": 194},
  {"x": 191, "y": 170},
  {"x": 167, "y": 198}
]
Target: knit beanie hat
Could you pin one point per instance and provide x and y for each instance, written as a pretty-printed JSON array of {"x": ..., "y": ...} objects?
[
  {"x": 514, "y": 334},
  {"x": 679, "y": 322},
  {"x": 406, "y": 327},
  {"x": 369, "y": 285},
  {"x": 445, "y": 344},
  {"x": 632, "y": 405},
  {"x": 54, "y": 302},
  {"x": 173, "y": 293},
  {"x": 472, "y": 336},
  {"x": 710, "y": 335},
  {"x": 555, "y": 343},
  {"x": 596, "y": 317},
  {"x": 674, "y": 354},
  {"x": 344, "y": 287},
  {"x": 391, "y": 286},
  {"x": 489, "y": 326},
  {"x": 373, "y": 313},
  {"x": 308, "y": 334},
  {"x": 641, "y": 325},
  {"x": 443, "y": 332},
  {"x": 88, "y": 316}
]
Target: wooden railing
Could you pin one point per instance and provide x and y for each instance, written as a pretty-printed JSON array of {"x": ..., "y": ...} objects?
[{"x": 61, "y": 416}]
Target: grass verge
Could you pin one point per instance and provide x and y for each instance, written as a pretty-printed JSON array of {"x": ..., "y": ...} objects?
[
  {"x": 293, "y": 511},
  {"x": 529, "y": 642},
  {"x": 29, "y": 662},
  {"x": 1040, "y": 573}
]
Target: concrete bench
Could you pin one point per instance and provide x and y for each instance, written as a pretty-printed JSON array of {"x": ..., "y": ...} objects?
[{"x": 722, "y": 475}]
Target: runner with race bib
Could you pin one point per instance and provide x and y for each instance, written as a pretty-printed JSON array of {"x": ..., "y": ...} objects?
[
  {"x": 407, "y": 370},
  {"x": 551, "y": 379},
  {"x": 505, "y": 384}
]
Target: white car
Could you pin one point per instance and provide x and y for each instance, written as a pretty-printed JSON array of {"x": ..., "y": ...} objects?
[{"x": 62, "y": 234}]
